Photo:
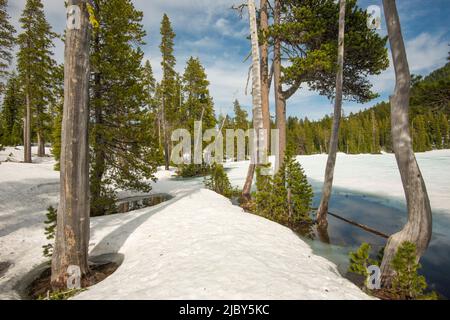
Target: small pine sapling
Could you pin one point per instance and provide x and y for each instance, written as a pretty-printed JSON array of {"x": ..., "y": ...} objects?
[
  {"x": 218, "y": 182},
  {"x": 407, "y": 283},
  {"x": 50, "y": 230},
  {"x": 360, "y": 260}
]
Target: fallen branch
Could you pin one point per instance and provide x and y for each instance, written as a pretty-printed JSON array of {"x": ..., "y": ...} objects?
[{"x": 359, "y": 225}]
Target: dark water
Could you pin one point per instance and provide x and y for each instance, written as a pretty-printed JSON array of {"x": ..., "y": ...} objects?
[
  {"x": 387, "y": 217},
  {"x": 134, "y": 203}
]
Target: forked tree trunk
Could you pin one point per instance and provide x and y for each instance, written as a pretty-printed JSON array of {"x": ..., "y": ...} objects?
[
  {"x": 419, "y": 225},
  {"x": 280, "y": 100},
  {"x": 258, "y": 140},
  {"x": 72, "y": 232},
  {"x": 27, "y": 129},
  {"x": 322, "y": 212}
]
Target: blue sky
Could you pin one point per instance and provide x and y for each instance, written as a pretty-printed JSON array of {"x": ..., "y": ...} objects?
[{"x": 210, "y": 30}]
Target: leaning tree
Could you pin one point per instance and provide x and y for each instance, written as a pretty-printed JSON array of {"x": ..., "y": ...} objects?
[
  {"x": 322, "y": 212},
  {"x": 306, "y": 47},
  {"x": 419, "y": 225}
]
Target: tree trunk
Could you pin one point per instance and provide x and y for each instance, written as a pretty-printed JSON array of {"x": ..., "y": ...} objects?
[
  {"x": 164, "y": 124},
  {"x": 265, "y": 73},
  {"x": 72, "y": 232},
  {"x": 322, "y": 212},
  {"x": 280, "y": 101},
  {"x": 258, "y": 140},
  {"x": 418, "y": 228},
  {"x": 27, "y": 129},
  {"x": 41, "y": 144}
]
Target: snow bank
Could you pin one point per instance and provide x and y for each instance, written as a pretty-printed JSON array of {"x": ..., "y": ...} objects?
[
  {"x": 195, "y": 246},
  {"x": 202, "y": 247}
]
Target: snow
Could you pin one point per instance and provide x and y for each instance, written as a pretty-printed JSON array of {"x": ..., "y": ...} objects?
[
  {"x": 198, "y": 245},
  {"x": 195, "y": 246},
  {"x": 378, "y": 175}
]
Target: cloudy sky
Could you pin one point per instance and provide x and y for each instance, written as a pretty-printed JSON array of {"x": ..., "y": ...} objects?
[{"x": 210, "y": 30}]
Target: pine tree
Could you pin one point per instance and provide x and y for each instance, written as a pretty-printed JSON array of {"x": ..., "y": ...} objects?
[
  {"x": 124, "y": 154},
  {"x": 50, "y": 231},
  {"x": 11, "y": 113},
  {"x": 407, "y": 283},
  {"x": 198, "y": 101},
  {"x": 359, "y": 260},
  {"x": 197, "y": 106},
  {"x": 36, "y": 66},
  {"x": 7, "y": 42},
  {"x": 57, "y": 114},
  {"x": 168, "y": 83},
  {"x": 287, "y": 196},
  {"x": 240, "y": 116}
]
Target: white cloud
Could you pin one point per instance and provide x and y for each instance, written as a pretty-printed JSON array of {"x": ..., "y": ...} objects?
[{"x": 425, "y": 53}]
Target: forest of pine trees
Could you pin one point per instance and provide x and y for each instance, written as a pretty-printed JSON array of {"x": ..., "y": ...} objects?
[{"x": 369, "y": 131}]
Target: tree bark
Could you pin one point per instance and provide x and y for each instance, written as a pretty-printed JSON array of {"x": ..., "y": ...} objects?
[
  {"x": 41, "y": 144},
  {"x": 72, "y": 232},
  {"x": 27, "y": 128},
  {"x": 280, "y": 100},
  {"x": 258, "y": 125},
  {"x": 418, "y": 228},
  {"x": 163, "y": 122},
  {"x": 264, "y": 23},
  {"x": 322, "y": 212}
]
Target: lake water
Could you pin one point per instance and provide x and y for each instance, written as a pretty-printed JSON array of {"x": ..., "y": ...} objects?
[{"x": 388, "y": 218}]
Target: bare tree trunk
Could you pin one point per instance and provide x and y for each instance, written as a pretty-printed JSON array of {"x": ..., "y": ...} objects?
[
  {"x": 280, "y": 100},
  {"x": 418, "y": 228},
  {"x": 258, "y": 124},
  {"x": 41, "y": 144},
  {"x": 27, "y": 129},
  {"x": 322, "y": 212},
  {"x": 72, "y": 232},
  {"x": 265, "y": 73},
  {"x": 164, "y": 129}
]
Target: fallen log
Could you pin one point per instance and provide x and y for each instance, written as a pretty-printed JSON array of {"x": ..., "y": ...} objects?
[{"x": 359, "y": 225}]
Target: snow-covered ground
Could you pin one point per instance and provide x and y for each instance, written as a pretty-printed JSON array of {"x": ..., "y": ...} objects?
[{"x": 197, "y": 245}]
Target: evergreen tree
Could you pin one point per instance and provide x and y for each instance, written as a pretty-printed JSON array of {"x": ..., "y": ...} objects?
[
  {"x": 124, "y": 154},
  {"x": 359, "y": 260},
  {"x": 287, "y": 196},
  {"x": 57, "y": 113},
  {"x": 240, "y": 116},
  {"x": 198, "y": 103},
  {"x": 198, "y": 106},
  {"x": 36, "y": 66},
  {"x": 11, "y": 113},
  {"x": 7, "y": 41},
  {"x": 407, "y": 283},
  {"x": 168, "y": 84}
]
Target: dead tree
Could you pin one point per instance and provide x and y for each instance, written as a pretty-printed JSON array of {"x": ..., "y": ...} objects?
[
  {"x": 418, "y": 228},
  {"x": 72, "y": 233}
]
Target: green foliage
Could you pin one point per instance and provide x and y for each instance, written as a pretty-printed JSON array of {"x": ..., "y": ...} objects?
[
  {"x": 36, "y": 64},
  {"x": 193, "y": 170},
  {"x": 218, "y": 182},
  {"x": 50, "y": 231},
  {"x": 308, "y": 32},
  {"x": 124, "y": 153},
  {"x": 11, "y": 113},
  {"x": 369, "y": 131},
  {"x": 7, "y": 42},
  {"x": 61, "y": 295},
  {"x": 359, "y": 260},
  {"x": 406, "y": 282},
  {"x": 287, "y": 196}
]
